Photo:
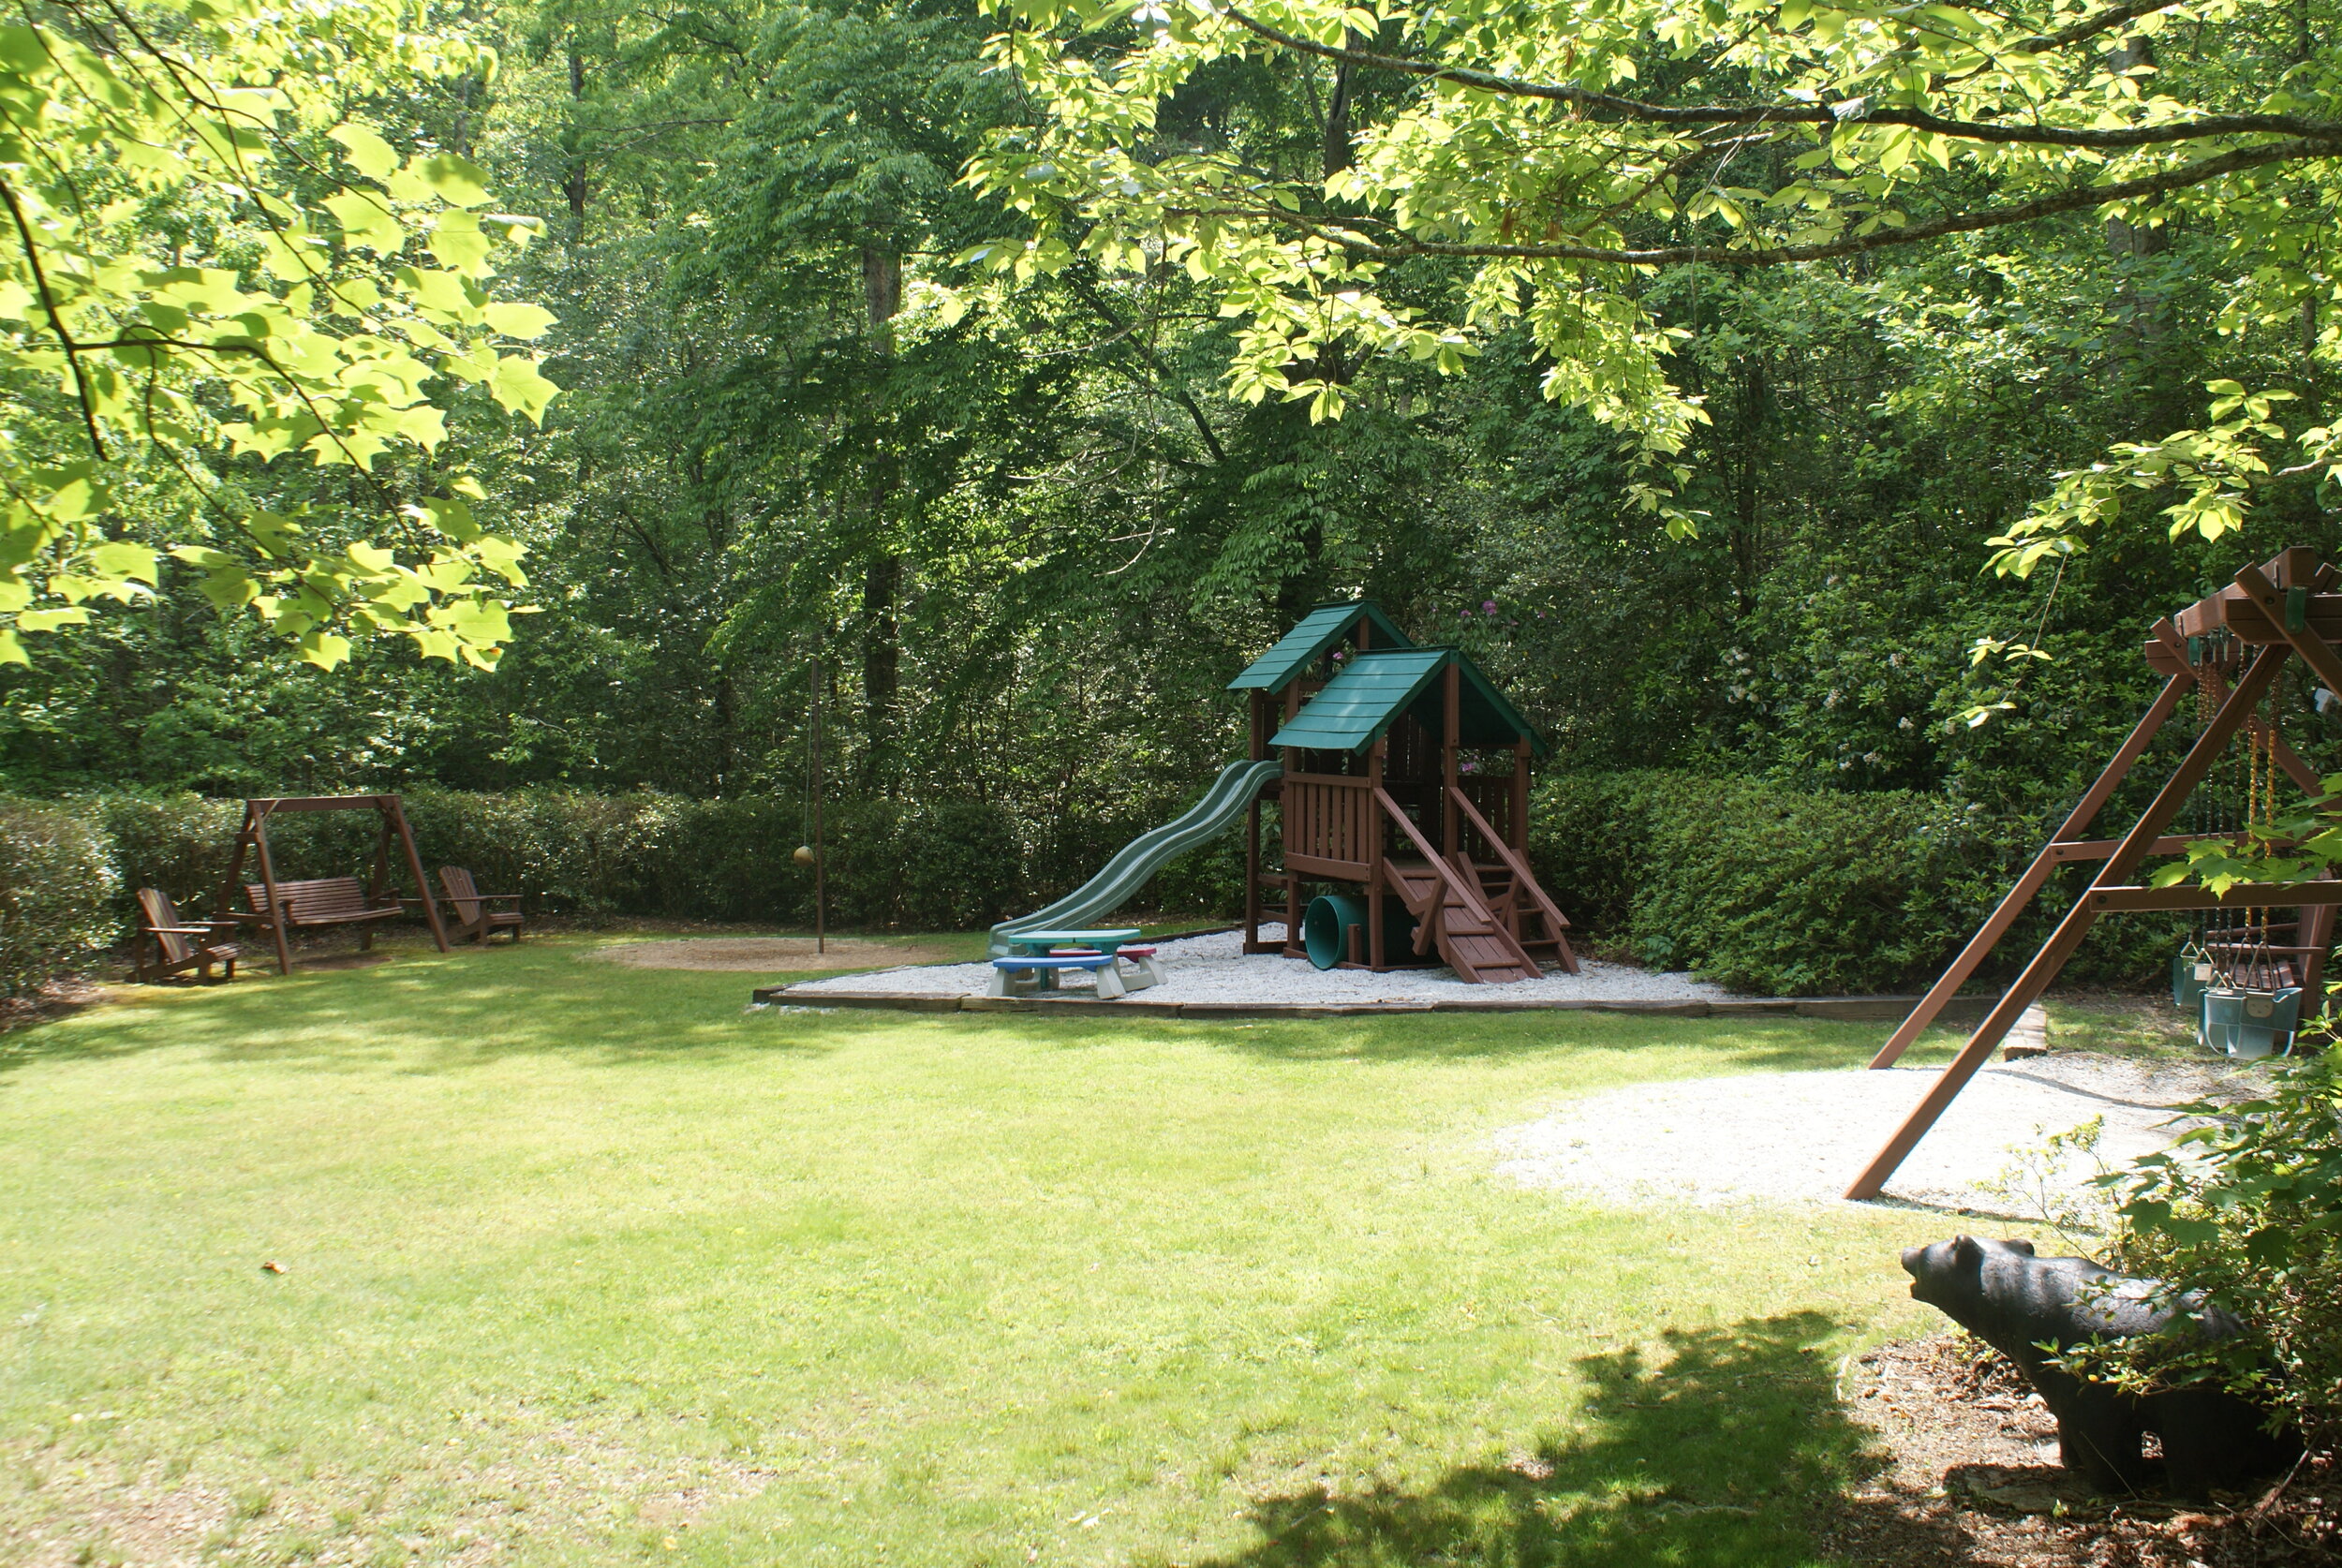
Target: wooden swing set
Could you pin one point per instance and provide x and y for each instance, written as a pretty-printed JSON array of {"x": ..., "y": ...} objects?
[
  {"x": 2227, "y": 650},
  {"x": 282, "y": 907}
]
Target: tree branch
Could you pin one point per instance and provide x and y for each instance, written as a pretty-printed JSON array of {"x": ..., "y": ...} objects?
[
  {"x": 56, "y": 319},
  {"x": 1960, "y": 223},
  {"x": 2091, "y": 26},
  {"x": 1849, "y": 112},
  {"x": 1178, "y": 392}
]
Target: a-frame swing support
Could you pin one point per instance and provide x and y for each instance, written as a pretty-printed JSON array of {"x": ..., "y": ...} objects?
[
  {"x": 2281, "y": 608},
  {"x": 252, "y": 839}
]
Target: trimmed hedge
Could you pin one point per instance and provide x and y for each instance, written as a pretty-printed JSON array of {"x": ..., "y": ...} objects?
[
  {"x": 57, "y": 882},
  {"x": 948, "y": 866},
  {"x": 1767, "y": 890},
  {"x": 1776, "y": 892}
]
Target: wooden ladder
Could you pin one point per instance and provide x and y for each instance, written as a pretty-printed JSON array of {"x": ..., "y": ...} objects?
[{"x": 1449, "y": 911}]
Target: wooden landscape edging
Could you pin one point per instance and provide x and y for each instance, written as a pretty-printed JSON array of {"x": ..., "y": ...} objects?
[{"x": 1844, "y": 1008}]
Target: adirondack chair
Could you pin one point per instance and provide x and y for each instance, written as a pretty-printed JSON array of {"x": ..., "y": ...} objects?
[
  {"x": 474, "y": 920},
  {"x": 177, "y": 944}
]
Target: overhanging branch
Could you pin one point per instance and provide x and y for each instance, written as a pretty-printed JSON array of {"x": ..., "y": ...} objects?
[
  {"x": 1880, "y": 239},
  {"x": 1853, "y": 111}
]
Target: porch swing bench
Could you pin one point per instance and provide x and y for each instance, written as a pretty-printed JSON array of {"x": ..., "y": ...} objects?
[
  {"x": 281, "y": 908},
  {"x": 316, "y": 904}
]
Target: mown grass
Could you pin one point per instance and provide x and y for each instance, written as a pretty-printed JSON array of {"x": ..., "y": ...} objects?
[{"x": 585, "y": 1264}]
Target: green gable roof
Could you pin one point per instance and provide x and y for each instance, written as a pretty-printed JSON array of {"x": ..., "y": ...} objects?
[
  {"x": 1317, "y": 631},
  {"x": 1357, "y": 706}
]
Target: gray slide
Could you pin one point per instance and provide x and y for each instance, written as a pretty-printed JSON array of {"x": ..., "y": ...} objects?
[{"x": 1222, "y": 808}]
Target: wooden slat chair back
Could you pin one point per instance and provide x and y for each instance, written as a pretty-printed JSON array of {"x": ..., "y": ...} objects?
[
  {"x": 322, "y": 901},
  {"x": 178, "y": 944},
  {"x": 475, "y": 920}
]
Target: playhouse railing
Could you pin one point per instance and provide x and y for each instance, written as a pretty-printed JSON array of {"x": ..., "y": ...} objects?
[
  {"x": 1329, "y": 823},
  {"x": 1492, "y": 796}
]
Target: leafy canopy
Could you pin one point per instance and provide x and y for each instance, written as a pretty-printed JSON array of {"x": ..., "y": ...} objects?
[
  {"x": 1555, "y": 155},
  {"x": 215, "y": 267}
]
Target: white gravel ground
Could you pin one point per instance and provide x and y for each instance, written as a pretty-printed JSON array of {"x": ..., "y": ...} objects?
[
  {"x": 1213, "y": 969},
  {"x": 1802, "y": 1136}
]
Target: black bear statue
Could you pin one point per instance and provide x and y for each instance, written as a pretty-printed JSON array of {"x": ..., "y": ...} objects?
[{"x": 2016, "y": 1302}]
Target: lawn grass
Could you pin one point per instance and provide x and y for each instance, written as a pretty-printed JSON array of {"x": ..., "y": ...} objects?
[{"x": 591, "y": 1264}]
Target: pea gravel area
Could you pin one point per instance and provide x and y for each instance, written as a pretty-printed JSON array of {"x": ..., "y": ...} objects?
[
  {"x": 1214, "y": 969},
  {"x": 1800, "y": 1137}
]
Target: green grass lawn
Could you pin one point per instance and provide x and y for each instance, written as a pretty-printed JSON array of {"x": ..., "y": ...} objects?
[{"x": 591, "y": 1264}]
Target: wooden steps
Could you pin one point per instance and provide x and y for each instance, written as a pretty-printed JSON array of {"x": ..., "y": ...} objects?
[{"x": 1449, "y": 913}]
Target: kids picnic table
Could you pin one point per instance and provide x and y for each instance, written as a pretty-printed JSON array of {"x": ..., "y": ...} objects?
[{"x": 1036, "y": 953}]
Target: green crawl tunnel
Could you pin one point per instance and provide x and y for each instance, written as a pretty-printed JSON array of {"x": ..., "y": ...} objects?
[{"x": 1326, "y": 927}]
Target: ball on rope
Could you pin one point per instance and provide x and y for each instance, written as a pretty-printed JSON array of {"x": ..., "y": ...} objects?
[{"x": 804, "y": 856}]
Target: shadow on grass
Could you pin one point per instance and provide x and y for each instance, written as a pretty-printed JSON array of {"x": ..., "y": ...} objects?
[
  {"x": 1740, "y": 1044},
  {"x": 1734, "y": 1453},
  {"x": 463, "y": 1009},
  {"x": 473, "y": 1007}
]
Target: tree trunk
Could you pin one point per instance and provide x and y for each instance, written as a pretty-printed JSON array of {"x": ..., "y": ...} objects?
[
  {"x": 574, "y": 186},
  {"x": 2126, "y": 239},
  {"x": 1339, "y": 154},
  {"x": 882, "y": 576}
]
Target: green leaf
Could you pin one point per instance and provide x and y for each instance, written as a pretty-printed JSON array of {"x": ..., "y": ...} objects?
[
  {"x": 523, "y": 321},
  {"x": 128, "y": 562},
  {"x": 456, "y": 180},
  {"x": 520, "y": 388},
  {"x": 367, "y": 221},
  {"x": 324, "y": 649},
  {"x": 365, "y": 149}
]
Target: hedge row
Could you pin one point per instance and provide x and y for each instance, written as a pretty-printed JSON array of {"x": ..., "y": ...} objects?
[
  {"x": 1778, "y": 893},
  {"x": 1766, "y": 890},
  {"x": 69, "y": 869}
]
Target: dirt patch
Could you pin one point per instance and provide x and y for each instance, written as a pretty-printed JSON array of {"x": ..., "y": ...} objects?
[
  {"x": 1973, "y": 1478},
  {"x": 771, "y": 954}
]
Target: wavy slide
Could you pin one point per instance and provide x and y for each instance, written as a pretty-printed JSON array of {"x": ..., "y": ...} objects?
[{"x": 1221, "y": 808}]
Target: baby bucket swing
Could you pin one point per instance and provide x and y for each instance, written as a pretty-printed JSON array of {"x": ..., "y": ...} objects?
[{"x": 2243, "y": 990}]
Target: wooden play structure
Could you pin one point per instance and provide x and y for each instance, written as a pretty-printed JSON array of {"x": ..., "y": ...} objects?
[
  {"x": 1406, "y": 775},
  {"x": 285, "y": 907},
  {"x": 2228, "y": 652}
]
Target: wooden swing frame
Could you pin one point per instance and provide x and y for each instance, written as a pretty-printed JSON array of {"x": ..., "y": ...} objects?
[
  {"x": 252, "y": 839},
  {"x": 2283, "y": 611}
]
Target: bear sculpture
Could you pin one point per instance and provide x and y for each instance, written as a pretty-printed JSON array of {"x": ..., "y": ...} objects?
[{"x": 2016, "y": 1302}]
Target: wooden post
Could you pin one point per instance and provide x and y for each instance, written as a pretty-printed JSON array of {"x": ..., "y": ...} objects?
[
  {"x": 2316, "y": 933},
  {"x": 1518, "y": 829},
  {"x": 2037, "y": 874},
  {"x": 1452, "y": 728},
  {"x": 227, "y": 900},
  {"x": 1293, "y": 948},
  {"x": 394, "y": 815},
  {"x": 820, "y": 856},
  {"x": 1378, "y": 957},
  {"x": 1257, "y": 749},
  {"x": 257, "y": 812},
  {"x": 2136, "y": 846}
]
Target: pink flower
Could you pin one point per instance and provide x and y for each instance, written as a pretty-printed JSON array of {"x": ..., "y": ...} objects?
[{"x": 1487, "y": 607}]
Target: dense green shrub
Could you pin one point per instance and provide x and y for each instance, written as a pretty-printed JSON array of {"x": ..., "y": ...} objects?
[
  {"x": 2248, "y": 1208},
  {"x": 1763, "y": 888},
  {"x": 1790, "y": 893},
  {"x": 57, "y": 880}
]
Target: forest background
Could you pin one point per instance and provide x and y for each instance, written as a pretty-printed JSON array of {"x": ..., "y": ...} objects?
[{"x": 1013, "y": 539}]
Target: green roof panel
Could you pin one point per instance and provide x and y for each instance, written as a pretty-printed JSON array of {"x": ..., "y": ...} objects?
[
  {"x": 1315, "y": 633},
  {"x": 1359, "y": 706},
  {"x": 1358, "y": 703}
]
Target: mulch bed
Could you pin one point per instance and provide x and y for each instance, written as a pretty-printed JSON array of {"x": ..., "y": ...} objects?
[{"x": 1972, "y": 1478}]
